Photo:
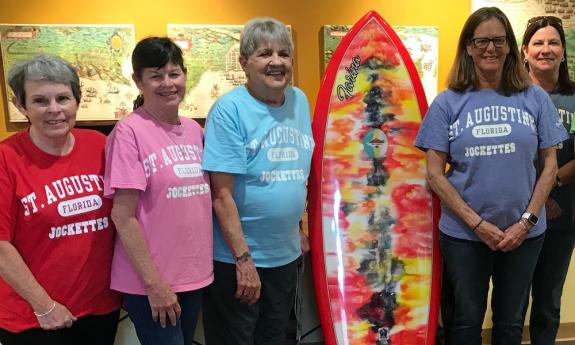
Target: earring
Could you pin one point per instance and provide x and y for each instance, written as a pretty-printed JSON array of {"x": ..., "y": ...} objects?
[
  {"x": 562, "y": 58},
  {"x": 525, "y": 60}
]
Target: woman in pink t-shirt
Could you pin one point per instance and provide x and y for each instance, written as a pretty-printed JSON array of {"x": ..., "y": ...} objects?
[{"x": 162, "y": 202}]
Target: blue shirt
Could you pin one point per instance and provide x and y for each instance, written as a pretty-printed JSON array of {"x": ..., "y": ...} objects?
[
  {"x": 492, "y": 142},
  {"x": 269, "y": 152}
]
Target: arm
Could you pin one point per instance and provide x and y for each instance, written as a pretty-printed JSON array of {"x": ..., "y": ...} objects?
[
  {"x": 16, "y": 273},
  {"x": 303, "y": 237},
  {"x": 516, "y": 233},
  {"x": 163, "y": 301},
  {"x": 248, "y": 280},
  {"x": 566, "y": 174},
  {"x": 436, "y": 162}
]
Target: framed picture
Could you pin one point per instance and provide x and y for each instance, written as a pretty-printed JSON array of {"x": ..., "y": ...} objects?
[
  {"x": 211, "y": 55},
  {"x": 100, "y": 54}
]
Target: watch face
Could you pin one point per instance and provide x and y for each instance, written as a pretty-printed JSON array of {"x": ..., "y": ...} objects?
[{"x": 531, "y": 218}]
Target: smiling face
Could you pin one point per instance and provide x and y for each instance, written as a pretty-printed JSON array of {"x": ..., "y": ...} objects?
[
  {"x": 268, "y": 69},
  {"x": 544, "y": 51},
  {"x": 489, "y": 61},
  {"x": 163, "y": 87},
  {"x": 51, "y": 109}
]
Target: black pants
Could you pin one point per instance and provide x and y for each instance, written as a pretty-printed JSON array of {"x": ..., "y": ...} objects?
[
  {"x": 470, "y": 265},
  {"x": 547, "y": 286},
  {"x": 229, "y": 322},
  {"x": 87, "y": 330}
]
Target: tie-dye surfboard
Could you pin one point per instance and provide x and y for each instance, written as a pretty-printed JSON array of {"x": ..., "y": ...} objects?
[{"x": 375, "y": 254}]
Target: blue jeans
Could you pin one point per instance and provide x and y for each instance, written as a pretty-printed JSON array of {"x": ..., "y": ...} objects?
[
  {"x": 469, "y": 267},
  {"x": 547, "y": 287},
  {"x": 151, "y": 333}
]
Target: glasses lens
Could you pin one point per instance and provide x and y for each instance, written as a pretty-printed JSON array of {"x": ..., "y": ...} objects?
[
  {"x": 481, "y": 42},
  {"x": 499, "y": 41}
]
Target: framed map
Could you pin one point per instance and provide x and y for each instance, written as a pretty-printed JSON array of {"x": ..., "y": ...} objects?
[
  {"x": 520, "y": 11},
  {"x": 420, "y": 41},
  {"x": 211, "y": 55},
  {"x": 100, "y": 54}
]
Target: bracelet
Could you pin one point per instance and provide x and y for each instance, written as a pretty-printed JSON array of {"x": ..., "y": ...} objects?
[
  {"x": 478, "y": 224},
  {"x": 46, "y": 313},
  {"x": 522, "y": 221},
  {"x": 244, "y": 257}
]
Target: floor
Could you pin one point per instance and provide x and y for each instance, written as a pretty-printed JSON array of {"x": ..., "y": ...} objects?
[{"x": 565, "y": 336}]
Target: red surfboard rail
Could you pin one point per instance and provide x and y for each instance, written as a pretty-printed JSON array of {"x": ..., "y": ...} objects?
[{"x": 315, "y": 205}]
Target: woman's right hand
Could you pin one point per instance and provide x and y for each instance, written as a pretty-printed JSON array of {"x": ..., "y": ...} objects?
[
  {"x": 490, "y": 234},
  {"x": 163, "y": 302},
  {"x": 58, "y": 318}
]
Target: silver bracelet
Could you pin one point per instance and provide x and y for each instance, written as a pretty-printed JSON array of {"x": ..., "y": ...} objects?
[{"x": 46, "y": 313}]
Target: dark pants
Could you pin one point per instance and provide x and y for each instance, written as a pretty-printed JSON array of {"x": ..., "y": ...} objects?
[
  {"x": 469, "y": 267},
  {"x": 229, "y": 322},
  {"x": 547, "y": 286},
  {"x": 152, "y": 333},
  {"x": 447, "y": 303},
  {"x": 87, "y": 330}
]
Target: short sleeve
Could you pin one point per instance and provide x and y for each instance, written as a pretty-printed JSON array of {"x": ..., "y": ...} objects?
[
  {"x": 8, "y": 206},
  {"x": 434, "y": 130},
  {"x": 224, "y": 145},
  {"x": 124, "y": 168},
  {"x": 550, "y": 129}
]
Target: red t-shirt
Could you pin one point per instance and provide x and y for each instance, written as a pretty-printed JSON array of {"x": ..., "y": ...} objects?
[{"x": 53, "y": 213}]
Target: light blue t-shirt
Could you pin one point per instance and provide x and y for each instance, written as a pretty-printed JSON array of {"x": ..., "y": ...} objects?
[
  {"x": 492, "y": 143},
  {"x": 269, "y": 151}
]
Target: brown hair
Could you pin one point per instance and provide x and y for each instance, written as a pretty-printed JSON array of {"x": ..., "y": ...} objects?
[
  {"x": 462, "y": 75},
  {"x": 566, "y": 85}
]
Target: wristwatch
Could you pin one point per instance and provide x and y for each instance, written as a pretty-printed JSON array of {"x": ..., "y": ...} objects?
[{"x": 530, "y": 217}]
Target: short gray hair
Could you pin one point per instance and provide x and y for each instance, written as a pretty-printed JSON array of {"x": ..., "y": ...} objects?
[
  {"x": 43, "y": 67},
  {"x": 263, "y": 29}
]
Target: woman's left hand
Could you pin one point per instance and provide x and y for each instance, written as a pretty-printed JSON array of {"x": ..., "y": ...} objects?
[
  {"x": 304, "y": 241},
  {"x": 514, "y": 236},
  {"x": 57, "y": 318}
]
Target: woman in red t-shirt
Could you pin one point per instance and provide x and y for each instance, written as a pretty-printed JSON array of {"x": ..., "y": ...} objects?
[{"x": 56, "y": 236}]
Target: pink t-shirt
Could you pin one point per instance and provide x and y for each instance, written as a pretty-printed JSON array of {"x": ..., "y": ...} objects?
[{"x": 164, "y": 162}]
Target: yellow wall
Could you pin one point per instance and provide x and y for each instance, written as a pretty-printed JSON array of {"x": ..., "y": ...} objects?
[{"x": 305, "y": 16}]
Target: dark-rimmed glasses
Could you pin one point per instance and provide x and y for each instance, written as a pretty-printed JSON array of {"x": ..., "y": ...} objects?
[
  {"x": 550, "y": 20},
  {"x": 483, "y": 42}
]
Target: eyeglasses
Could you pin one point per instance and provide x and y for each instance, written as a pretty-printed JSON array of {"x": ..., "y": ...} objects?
[
  {"x": 549, "y": 19},
  {"x": 483, "y": 42}
]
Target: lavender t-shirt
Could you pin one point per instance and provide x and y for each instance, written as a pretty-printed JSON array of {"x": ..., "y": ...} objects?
[
  {"x": 492, "y": 143},
  {"x": 164, "y": 162}
]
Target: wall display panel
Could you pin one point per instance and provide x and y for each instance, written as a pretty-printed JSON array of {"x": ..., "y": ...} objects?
[
  {"x": 519, "y": 12},
  {"x": 420, "y": 41},
  {"x": 100, "y": 53},
  {"x": 211, "y": 55}
]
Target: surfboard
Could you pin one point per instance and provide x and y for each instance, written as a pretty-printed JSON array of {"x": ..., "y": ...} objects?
[{"x": 373, "y": 220}]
